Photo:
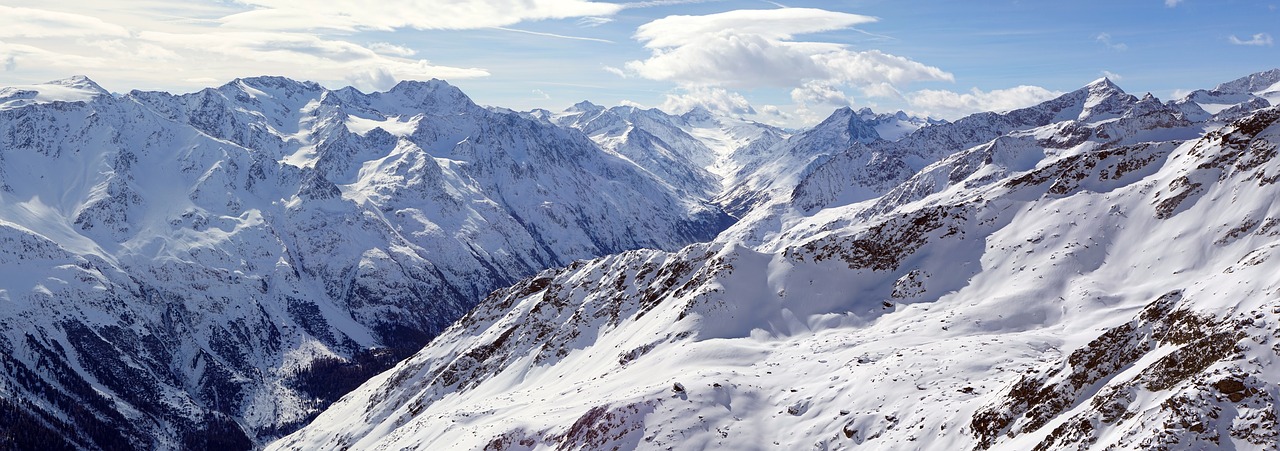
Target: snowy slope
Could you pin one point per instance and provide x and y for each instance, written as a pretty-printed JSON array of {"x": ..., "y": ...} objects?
[
  {"x": 211, "y": 269},
  {"x": 766, "y": 175},
  {"x": 1116, "y": 293},
  {"x": 1233, "y": 99},
  {"x": 75, "y": 89},
  {"x": 698, "y": 151},
  {"x": 1100, "y": 112}
]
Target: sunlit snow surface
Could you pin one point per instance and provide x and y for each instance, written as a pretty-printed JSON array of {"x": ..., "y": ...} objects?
[
  {"x": 952, "y": 311},
  {"x": 176, "y": 265},
  {"x": 78, "y": 89}
]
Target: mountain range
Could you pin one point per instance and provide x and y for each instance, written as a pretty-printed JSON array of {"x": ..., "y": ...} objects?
[
  {"x": 211, "y": 269},
  {"x": 1094, "y": 272},
  {"x": 215, "y": 269}
]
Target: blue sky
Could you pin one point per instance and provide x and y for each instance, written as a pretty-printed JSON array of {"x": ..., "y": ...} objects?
[{"x": 788, "y": 62}]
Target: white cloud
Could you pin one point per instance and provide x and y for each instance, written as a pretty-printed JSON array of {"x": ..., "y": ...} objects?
[
  {"x": 22, "y": 56},
  {"x": 553, "y": 35},
  {"x": 820, "y": 93},
  {"x": 372, "y": 79},
  {"x": 714, "y": 99},
  {"x": 39, "y": 23},
  {"x": 167, "y": 45},
  {"x": 131, "y": 50},
  {"x": 1106, "y": 40},
  {"x": 873, "y": 67},
  {"x": 883, "y": 90},
  {"x": 616, "y": 71},
  {"x": 1260, "y": 39},
  {"x": 953, "y": 105},
  {"x": 593, "y": 21},
  {"x": 353, "y": 15},
  {"x": 1172, "y": 3},
  {"x": 774, "y": 112},
  {"x": 303, "y": 56},
  {"x": 540, "y": 94},
  {"x": 386, "y": 48},
  {"x": 205, "y": 81},
  {"x": 777, "y": 24},
  {"x": 45, "y": 44},
  {"x": 1112, "y": 75},
  {"x": 755, "y": 48},
  {"x": 265, "y": 46},
  {"x": 729, "y": 59}
]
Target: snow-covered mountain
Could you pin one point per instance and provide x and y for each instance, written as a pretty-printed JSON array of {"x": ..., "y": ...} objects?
[
  {"x": 699, "y": 151},
  {"x": 209, "y": 270},
  {"x": 1232, "y": 99},
  {"x": 739, "y": 163},
  {"x": 768, "y": 175},
  {"x": 1096, "y": 272},
  {"x": 1096, "y": 114}
]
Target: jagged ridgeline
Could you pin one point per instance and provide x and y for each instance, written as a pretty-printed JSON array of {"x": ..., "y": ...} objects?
[
  {"x": 1095, "y": 272},
  {"x": 209, "y": 270}
]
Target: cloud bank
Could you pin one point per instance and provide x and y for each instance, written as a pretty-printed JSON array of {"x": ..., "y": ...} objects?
[
  {"x": 195, "y": 42},
  {"x": 952, "y": 105},
  {"x": 746, "y": 49},
  {"x": 351, "y": 15}
]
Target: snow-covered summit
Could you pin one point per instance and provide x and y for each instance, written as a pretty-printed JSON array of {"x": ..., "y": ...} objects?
[
  {"x": 1260, "y": 83},
  {"x": 584, "y": 107},
  {"x": 73, "y": 89},
  {"x": 1103, "y": 100},
  {"x": 432, "y": 95},
  {"x": 766, "y": 175},
  {"x": 695, "y": 151},
  {"x": 1232, "y": 99}
]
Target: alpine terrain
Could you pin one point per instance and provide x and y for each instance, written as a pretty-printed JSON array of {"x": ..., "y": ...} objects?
[
  {"x": 1099, "y": 271},
  {"x": 209, "y": 270}
]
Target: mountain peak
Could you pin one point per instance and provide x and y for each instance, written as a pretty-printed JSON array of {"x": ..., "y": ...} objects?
[
  {"x": 433, "y": 91},
  {"x": 1255, "y": 83},
  {"x": 841, "y": 113},
  {"x": 845, "y": 120},
  {"x": 1099, "y": 99},
  {"x": 78, "y": 88},
  {"x": 1104, "y": 82},
  {"x": 583, "y": 107},
  {"x": 698, "y": 114},
  {"x": 275, "y": 83},
  {"x": 434, "y": 84},
  {"x": 80, "y": 82},
  {"x": 1102, "y": 88}
]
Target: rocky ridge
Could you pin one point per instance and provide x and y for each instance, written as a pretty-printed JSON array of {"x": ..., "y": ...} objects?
[{"x": 1094, "y": 273}]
